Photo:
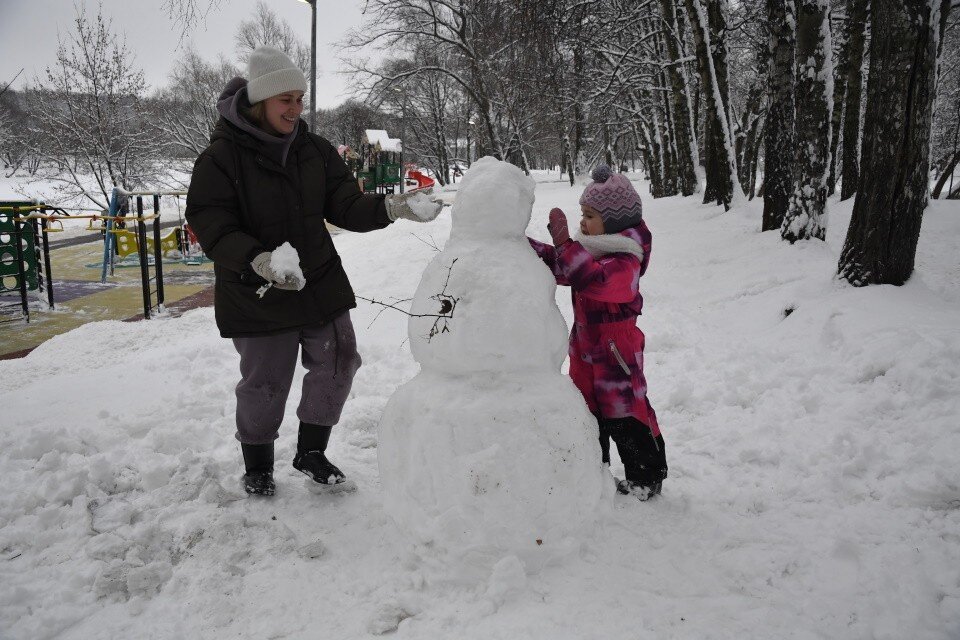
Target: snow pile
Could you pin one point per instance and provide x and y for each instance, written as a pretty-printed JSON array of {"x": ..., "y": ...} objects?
[
  {"x": 490, "y": 452},
  {"x": 285, "y": 261}
]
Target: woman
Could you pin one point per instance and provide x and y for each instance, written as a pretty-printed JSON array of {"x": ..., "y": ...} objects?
[{"x": 265, "y": 180}]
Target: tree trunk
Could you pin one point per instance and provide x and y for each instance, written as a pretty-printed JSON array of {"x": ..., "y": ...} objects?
[
  {"x": 756, "y": 162},
  {"x": 947, "y": 172},
  {"x": 577, "y": 112},
  {"x": 805, "y": 217},
  {"x": 881, "y": 243},
  {"x": 682, "y": 135},
  {"x": 850, "y": 166},
  {"x": 747, "y": 134},
  {"x": 722, "y": 171},
  {"x": 717, "y": 21},
  {"x": 671, "y": 176},
  {"x": 778, "y": 151},
  {"x": 839, "y": 91}
]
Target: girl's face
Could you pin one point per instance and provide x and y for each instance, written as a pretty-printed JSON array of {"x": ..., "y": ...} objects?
[
  {"x": 283, "y": 111},
  {"x": 591, "y": 224}
]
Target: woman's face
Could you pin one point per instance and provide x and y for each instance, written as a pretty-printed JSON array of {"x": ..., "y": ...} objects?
[
  {"x": 283, "y": 111},
  {"x": 591, "y": 224}
]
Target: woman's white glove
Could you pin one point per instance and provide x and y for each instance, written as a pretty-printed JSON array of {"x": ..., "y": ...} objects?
[
  {"x": 418, "y": 206},
  {"x": 261, "y": 266}
]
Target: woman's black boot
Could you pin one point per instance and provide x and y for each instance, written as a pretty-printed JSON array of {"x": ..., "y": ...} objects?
[
  {"x": 258, "y": 460},
  {"x": 311, "y": 460}
]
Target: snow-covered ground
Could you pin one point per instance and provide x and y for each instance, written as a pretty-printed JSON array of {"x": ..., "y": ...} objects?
[{"x": 814, "y": 487}]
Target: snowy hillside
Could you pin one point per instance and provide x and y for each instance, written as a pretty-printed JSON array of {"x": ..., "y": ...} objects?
[{"x": 811, "y": 428}]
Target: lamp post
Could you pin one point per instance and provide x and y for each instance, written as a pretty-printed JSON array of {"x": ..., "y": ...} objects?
[
  {"x": 470, "y": 124},
  {"x": 403, "y": 129},
  {"x": 313, "y": 64}
]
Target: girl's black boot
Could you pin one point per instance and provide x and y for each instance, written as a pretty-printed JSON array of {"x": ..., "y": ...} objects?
[{"x": 643, "y": 455}]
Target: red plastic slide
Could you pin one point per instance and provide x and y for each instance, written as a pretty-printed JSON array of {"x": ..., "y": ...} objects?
[{"x": 423, "y": 182}]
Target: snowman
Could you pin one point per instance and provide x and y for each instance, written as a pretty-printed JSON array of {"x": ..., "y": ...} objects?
[{"x": 489, "y": 452}]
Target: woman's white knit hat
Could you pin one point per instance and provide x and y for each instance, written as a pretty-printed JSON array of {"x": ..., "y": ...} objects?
[{"x": 270, "y": 72}]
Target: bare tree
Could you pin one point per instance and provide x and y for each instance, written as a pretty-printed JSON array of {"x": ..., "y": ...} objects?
[
  {"x": 805, "y": 217},
  {"x": 778, "y": 156},
  {"x": 857, "y": 15},
  {"x": 188, "y": 13},
  {"x": 839, "y": 70},
  {"x": 881, "y": 242},
  {"x": 10, "y": 143},
  {"x": 945, "y": 143},
  {"x": 90, "y": 116},
  {"x": 185, "y": 111},
  {"x": 721, "y": 163},
  {"x": 18, "y": 142},
  {"x": 346, "y": 124},
  {"x": 267, "y": 28},
  {"x": 467, "y": 39}
]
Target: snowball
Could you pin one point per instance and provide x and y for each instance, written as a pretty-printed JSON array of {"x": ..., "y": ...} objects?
[
  {"x": 285, "y": 261},
  {"x": 423, "y": 206}
]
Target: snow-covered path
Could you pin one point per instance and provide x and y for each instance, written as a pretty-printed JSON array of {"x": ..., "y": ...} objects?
[{"x": 814, "y": 487}]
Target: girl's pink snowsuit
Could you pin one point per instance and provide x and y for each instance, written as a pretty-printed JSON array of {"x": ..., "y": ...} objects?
[{"x": 606, "y": 346}]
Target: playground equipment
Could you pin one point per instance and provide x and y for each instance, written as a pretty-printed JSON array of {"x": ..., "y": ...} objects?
[
  {"x": 129, "y": 242},
  {"x": 378, "y": 164},
  {"x": 423, "y": 181},
  {"x": 25, "y": 251}
]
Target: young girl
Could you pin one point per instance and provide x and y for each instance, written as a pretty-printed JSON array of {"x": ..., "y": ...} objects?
[{"x": 602, "y": 266}]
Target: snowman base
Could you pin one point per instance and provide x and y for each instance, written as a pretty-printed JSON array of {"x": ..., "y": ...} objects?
[{"x": 510, "y": 468}]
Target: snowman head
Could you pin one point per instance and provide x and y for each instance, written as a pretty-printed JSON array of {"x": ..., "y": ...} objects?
[{"x": 494, "y": 201}]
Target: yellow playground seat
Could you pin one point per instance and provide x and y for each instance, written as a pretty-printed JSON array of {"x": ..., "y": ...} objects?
[{"x": 127, "y": 243}]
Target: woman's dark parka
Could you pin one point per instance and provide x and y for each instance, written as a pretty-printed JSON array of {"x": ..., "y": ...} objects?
[{"x": 250, "y": 193}]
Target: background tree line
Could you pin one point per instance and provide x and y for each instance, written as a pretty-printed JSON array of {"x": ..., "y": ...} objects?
[
  {"x": 725, "y": 100},
  {"x": 90, "y": 122},
  {"x": 781, "y": 98}
]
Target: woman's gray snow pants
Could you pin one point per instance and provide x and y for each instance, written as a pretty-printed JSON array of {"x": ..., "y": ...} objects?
[{"x": 267, "y": 364}]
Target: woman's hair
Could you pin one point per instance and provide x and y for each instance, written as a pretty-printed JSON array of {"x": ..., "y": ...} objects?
[{"x": 256, "y": 113}]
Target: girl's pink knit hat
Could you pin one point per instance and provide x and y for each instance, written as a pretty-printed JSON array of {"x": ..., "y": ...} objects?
[{"x": 615, "y": 198}]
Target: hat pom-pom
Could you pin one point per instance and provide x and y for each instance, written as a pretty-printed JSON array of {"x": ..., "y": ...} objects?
[{"x": 601, "y": 174}]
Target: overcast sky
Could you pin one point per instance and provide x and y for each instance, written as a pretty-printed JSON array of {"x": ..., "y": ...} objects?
[{"x": 28, "y": 35}]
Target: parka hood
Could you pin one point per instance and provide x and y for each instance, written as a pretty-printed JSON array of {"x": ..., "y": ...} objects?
[{"x": 229, "y": 104}]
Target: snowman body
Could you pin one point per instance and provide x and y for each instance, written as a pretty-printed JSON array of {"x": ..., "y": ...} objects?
[{"x": 490, "y": 451}]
